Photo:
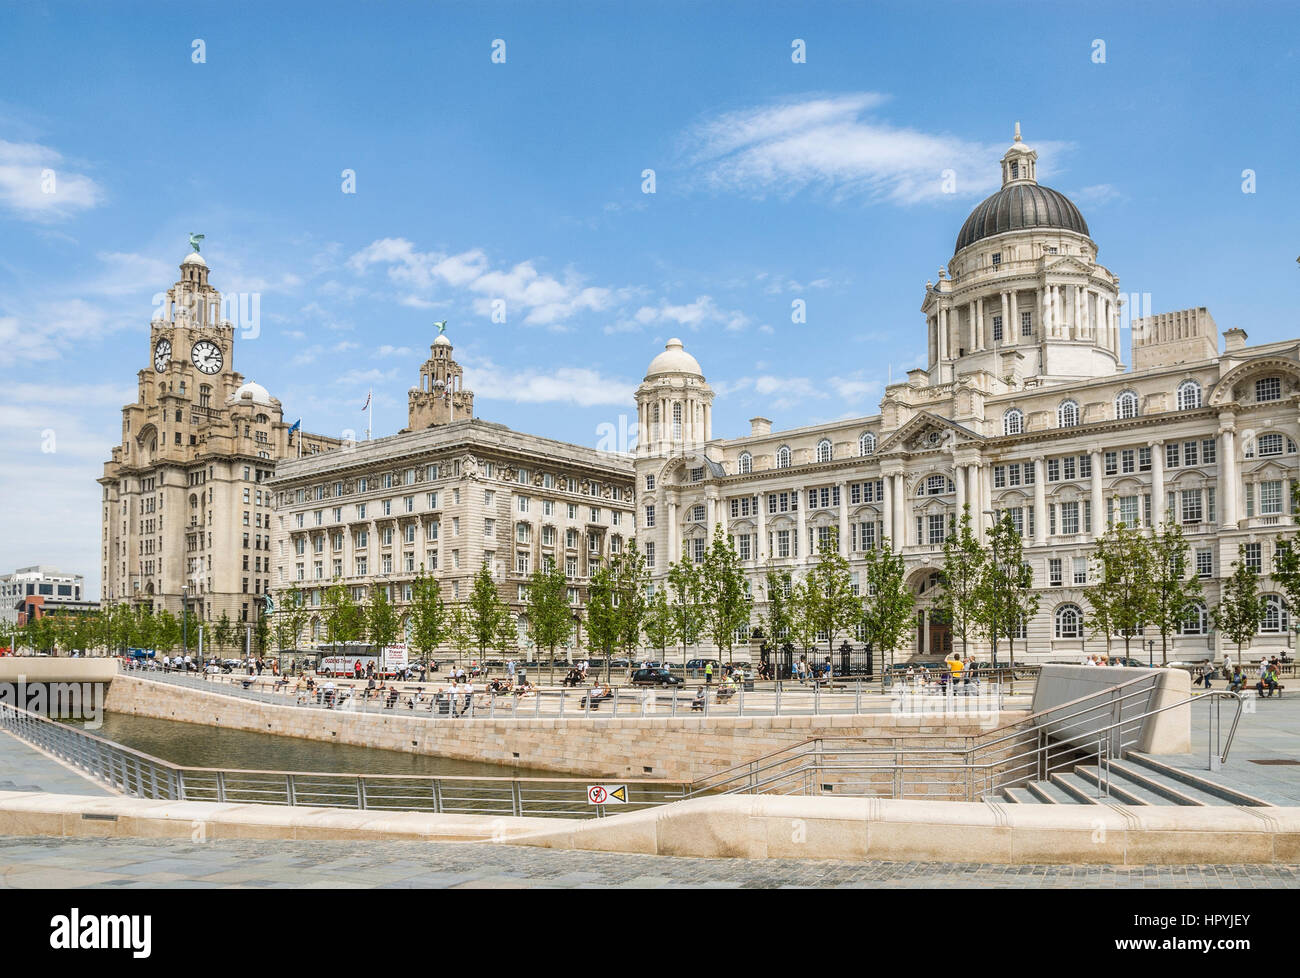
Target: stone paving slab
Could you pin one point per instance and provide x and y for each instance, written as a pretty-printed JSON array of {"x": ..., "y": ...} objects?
[
  {"x": 27, "y": 769},
  {"x": 107, "y": 863},
  {"x": 1269, "y": 730}
]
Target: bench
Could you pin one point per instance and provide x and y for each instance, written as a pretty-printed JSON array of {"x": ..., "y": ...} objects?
[{"x": 1263, "y": 691}]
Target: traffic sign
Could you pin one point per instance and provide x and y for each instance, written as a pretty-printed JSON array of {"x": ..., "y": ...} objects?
[{"x": 607, "y": 794}]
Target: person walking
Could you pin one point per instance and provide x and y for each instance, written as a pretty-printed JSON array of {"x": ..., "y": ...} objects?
[{"x": 708, "y": 672}]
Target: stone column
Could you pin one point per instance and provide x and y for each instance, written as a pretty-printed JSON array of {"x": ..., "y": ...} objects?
[
  {"x": 959, "y": 479},
  {"x": 761, "y": 549},
  {"x": 982, "y": 340},
  {"x": 941, "y": 318},
  {"x": 844, "y": 518},
  {"x": 801, "y": 522},
  {"x": 1006, "y": 322},
  {"x": 1040, "y": 502},
  {"x": 711, "y": 515},
  {"x": 674, "y": 545},
  {"x": 887, "y": 507},
  {"x": 900, "y": 510},
  {"x": 973, "y": 345},
  {"x": 1098, "y": 503},
  {"x": 1157, "y": 483},
  {"x": 1078, "y": 311},
  {"x": 1014, "y": 325}
]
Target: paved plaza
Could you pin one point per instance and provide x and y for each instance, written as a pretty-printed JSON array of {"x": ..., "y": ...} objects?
[{"x": 72, "y": 863}]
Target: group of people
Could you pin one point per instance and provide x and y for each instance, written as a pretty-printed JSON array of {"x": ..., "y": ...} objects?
[{"x": 1266, "y": 677}]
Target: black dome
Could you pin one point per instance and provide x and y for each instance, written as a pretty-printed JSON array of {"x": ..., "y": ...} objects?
[{"x": 1019, "y": 206}]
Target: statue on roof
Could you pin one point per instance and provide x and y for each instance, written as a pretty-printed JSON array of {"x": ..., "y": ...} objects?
[
  {"x": 194, "y": 241},
  {"x": 442, "y": 327}
]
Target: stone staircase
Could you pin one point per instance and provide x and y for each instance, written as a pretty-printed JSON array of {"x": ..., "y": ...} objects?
[{"x": 1136, "y": 780}]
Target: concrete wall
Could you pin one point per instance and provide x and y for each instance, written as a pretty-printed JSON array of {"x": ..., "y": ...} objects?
[
  {"x": 56, "y": 669},
  {"x": 1165, "y": 733},
  {"x": 665, "y": 747}
]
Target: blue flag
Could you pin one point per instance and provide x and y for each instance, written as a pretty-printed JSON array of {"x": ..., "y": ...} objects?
[{"x": 296, "y": 425}]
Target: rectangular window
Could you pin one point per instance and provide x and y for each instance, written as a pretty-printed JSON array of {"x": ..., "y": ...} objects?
[
  {"x": 649, "y": 516},
  {"x": 1208, "y": 453},
  {"x": 1254, "y": 557},
  {"x": 1190, "y": 452},
  {"x": 1144, "y": 459},
  {"x": 1026, "y": 324},
  {"x": 1268, "y": 389},
  {"x": 1191, "y": 504},
  {"x": 997, "y": 327},
  {"x": 1054, "y": 578},
  {"x": 1080, "y": 570},
  {"x": 1111, "y": 460},
  {"x": 1128, "y": 461},
  {"x": 1204, "y": 563},
  {"x": 1270, "y": 498},
  {"x": 783, "y": 543},
  {"x": 1171, "y": 455},
  {"x": 650, "y": 553},
  {"x": 999, "y": 476},
  {"x": 1067, "y": 467},
  {"x": 1053, "y": 470},
  {"x": 1069, "y": 518}
]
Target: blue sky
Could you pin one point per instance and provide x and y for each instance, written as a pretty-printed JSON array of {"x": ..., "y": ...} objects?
[{"x": 522, "y": 181}]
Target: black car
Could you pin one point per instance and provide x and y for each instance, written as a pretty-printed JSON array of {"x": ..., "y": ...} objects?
[{"x": 655, "y": 677}]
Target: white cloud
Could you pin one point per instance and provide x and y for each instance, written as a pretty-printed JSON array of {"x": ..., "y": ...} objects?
[
  {"x": 37, "y": 186},
  {"x": 692, "y": 315},
  {"x": 831, "y": 143},
  {"x": 564, "y": 385}
]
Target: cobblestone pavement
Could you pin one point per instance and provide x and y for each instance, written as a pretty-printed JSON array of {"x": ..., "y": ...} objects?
[{"x": 60, "y": 863}]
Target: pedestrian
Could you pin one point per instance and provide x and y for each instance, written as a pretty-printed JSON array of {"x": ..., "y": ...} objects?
[{"x": 708, "y": 672}]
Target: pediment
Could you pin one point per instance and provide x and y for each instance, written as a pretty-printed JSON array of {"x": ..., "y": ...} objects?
[{"x": 929, "y": 433}]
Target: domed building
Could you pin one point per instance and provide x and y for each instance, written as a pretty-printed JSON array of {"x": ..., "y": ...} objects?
[{"x": 1026, "y": 410}]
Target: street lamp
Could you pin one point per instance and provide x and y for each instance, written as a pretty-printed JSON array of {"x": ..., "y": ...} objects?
[
  {"x": 1151, "y": 653},
  {"x": 185, "y": 620}
]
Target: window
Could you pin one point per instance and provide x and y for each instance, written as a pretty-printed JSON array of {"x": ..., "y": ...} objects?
[
  {"x": 997, "y": 329},
  {"x": 1275, "y": 620},
  {"x": 1054, "y": 578},
  {"x": 1026, "y": 324},
  {"x": 1013, "y": 422},
  {"x": 1268, "y": 389},
  {"x": 824, "y": 450},
  {"x": 1067, "y": 415},
  {"x": 1189, "y": 395},
  {"x": 649, "y": 516},
  {"x": 1069, "y": 621},
  {"x": 783, "y": 457},
  {"x": 1069, "y": 518},
  {"x": 677, "y": 422},
  {"x": 1253, "y": 557},
  {"x": 746, "y": 464},
  {"x": 1270, "y": 498},
  {"x": 1080, "y": 570},
  {"x": 649, "y": 483},
  {"x": 1126, "y": 405},
  {"x": 867, "y": 444},
  {"x": 1270, "y": 444},
  {"x": 1196, "y": 620},
  {"x": 997, "y": 255}
]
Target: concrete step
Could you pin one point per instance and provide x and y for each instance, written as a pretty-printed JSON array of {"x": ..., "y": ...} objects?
[
  {"x": 1171, "y": 789},
  {"x": 1123, "y": 789},
  {"x": 1019, "y": 796},
  {"x": 1050, "y": 794},
  {"x": 1082, "y": 791},
  {"x": 1193, "y": 785}
]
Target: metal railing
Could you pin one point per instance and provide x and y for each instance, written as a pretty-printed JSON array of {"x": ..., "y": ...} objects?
[
  {"x": 785, "y": 698},
  {"x": 141, "y": 775},
  {"x": 1095, "y": 728}
]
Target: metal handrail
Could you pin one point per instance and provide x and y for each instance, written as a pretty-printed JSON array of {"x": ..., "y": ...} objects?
[
  {"x": 142, "y": 775},
  {"x": 984, "y": 766}
]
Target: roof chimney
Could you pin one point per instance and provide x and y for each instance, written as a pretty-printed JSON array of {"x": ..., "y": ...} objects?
[
  {"x": 1234, "y": 339},
  {"x": 759, "y": 426}
]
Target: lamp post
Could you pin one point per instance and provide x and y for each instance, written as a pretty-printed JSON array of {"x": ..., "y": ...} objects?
[
  {"x": 1151, "y": 653},
  {"x": 185, "y": 620}
]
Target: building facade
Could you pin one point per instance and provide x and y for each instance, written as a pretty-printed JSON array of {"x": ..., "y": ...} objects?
[
  {"x": 1025, "y": 407},
  {"x": 186, "y": 515},
  {"x": 30, "y": 592},
  {"x": 445, "y": 496}
]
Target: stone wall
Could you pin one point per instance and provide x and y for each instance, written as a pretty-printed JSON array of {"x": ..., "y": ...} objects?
[{"x": 618, "y": 747}]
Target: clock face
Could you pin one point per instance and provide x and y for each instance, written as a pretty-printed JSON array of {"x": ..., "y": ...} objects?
[
  {"x": 206, "y": 356},
  {"x": 162, "y": 355}
]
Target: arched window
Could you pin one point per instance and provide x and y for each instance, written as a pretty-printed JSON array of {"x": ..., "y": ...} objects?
[
  {"x": 1067, "y": 415},
  {"x": 1275, "y": 620},
  {"x": 1126, "y": 405},
  {"x": 867, "y": 444},
  {"x": 1189, "y": 395},
  {"x": 1069, "y": 621},
  {"x": 677, "y": 421},
  {"x": 824, "y": 450},
  {"x": 783, "y": 457},
  {"x": 746, "y": 463},
  {"x": 1013, "y": 422},
  {"x": 1196, "y": 620}
]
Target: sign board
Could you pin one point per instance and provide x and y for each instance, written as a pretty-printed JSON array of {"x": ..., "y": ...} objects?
[
  {"x": 395, "y": 658},
  {"x": 606, "y": 794}
]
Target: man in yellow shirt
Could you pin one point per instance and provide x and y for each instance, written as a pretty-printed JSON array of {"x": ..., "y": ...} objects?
[{"x": 955, "y": 666}]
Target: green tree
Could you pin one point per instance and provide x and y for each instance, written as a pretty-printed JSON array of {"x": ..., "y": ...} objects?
[
  {"x": 550, "y": 619},
  {"x": 486, "y": 610},
  {"x": 724, "y": 592},
  {"x": 632, "y": 584},
  {"x": 1174, "y": 584},
  {"x": 290, "y": 618},
  {"x": 965, "y": 564},
  {"x": 888, "y": 605},
  {"x": 604, "y": 625},
  {"x": 687, "y": 601},
  {"x": 459, "y": 629},
  {"x": 778, "y": 589},
  {"x": 1240, "y": 606},
  {"x": 144, "y": 630},
  {"x": 223, "y": 633},
  {"x": 660, "y": 630},
  {"x": 805, "y": 599},
  {"x": 382, "y": 624},
  {"x": 1007, "y": 599},
  {"x": 167, "y": 632},
  {"x": 428, "y": 615},
  {"x": 344, "y": 618},
  {"x": 507, "y": 636},
  {"x": 838, "y": 608},
  {"x": 1123, "y": 589}
]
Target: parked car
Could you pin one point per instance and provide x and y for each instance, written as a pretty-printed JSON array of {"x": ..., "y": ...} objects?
[
  {"x": 699, "y": 664},
  {"x": 655, "y": 677}
]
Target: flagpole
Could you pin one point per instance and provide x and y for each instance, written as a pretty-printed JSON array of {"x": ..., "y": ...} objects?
[{"x": 370, "y": 429}]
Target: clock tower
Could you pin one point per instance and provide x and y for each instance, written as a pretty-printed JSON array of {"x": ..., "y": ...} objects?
[{"x": 185, "y": 520}]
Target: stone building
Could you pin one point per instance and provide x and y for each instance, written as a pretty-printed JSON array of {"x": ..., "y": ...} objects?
[
  {"x": 186, "y": 516},
  {"x": 1025, "y": 407},
  {"x": 447, "y": 494}
]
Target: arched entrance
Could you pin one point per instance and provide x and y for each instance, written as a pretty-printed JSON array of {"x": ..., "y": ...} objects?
[{"x": 933, "y": 630}]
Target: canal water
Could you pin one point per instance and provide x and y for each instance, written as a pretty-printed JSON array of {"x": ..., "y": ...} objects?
[{"x": 198, "y": 745}]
